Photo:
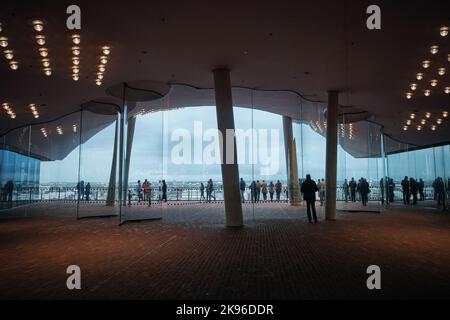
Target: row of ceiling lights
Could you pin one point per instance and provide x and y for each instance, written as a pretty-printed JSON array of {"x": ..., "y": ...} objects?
[
  {"x": 102, "y": 66},
  {"x": 9, "y": 110},
  {"x": 59, "y": 130},
  {"x": 422, "y": 121},
  {"x": 38, "y": 27},
  {"x": 33, "y": 108},
  {"x": 76, "y": 51},
  {"x": 426, "y": 64},
  {"x": 9, "y": 53}
]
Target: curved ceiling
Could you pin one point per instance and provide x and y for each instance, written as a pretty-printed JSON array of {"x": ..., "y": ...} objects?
[{"x": 308, "y": 47}]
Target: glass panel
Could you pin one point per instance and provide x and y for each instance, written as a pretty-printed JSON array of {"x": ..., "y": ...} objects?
[
  {"x": 57, "y": 143},
  {"x": 146, "y": 189},
  {"x": 97, "y": 187}
]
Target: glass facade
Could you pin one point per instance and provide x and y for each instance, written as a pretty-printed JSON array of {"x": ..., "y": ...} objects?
[
  {"x": 168, "y": 149},
  {"x": 19, "y": 177}
]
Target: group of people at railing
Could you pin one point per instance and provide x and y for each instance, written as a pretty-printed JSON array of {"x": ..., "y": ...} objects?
[
  {"x": 409, "y": 190},
  {"x": 84, "y": 191},
  {"x": 258, "y": 188}
]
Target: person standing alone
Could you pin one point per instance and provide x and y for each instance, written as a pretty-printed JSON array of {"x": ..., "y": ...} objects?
[{"x": 309, "y": 189}]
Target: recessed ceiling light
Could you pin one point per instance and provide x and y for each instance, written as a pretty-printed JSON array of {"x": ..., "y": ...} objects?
[
  {"x": 419, "y": 128},
  {"x": 443, "y": 31},
  {"x": 101, "y": 68},
  {"x": 428, "y": 115},
  {"x": 3, "y": 42},
  {"x": 14, "y": 65},
  {"x": 75, "y": 69},
  {"x": 439, "y": 121},
  {"x": 434, "y": 49},
  {"x": 40, "y": 40},
  {"x": 43, "y": 52},
  {"x": 104, "y": 59},
  {"x": 76, "y": 38},
  {"x": 106, "y": 50},
  {"x": 38, "y": 25},
  {"x": 419, "y": 76},
  {"x": 98, "y": 82},
  {"x": 441, "y": 71},
  {"x": 100, "y": 75},
  {"x": 427, "y": 93},
  {"x": 423, "y": 121},
  {"x": 447, "y": 90},
  {"x": 413, "y": 86},
  {"x": 433, "y": 83},
  {"x": 75, "y": 77},
  {"x": 408, "y": 95},
  {"x": 45, "y": 63},
  {"x": 48, "y": 71},
  {"x": 408, "y": 122},
  {"x": 76, "y": 51},
  {"x": 76, "y": 61},
  {"x": 426, "y": 64},
  {"x": 445, "y": 114},
  {"x": 405, "y": 128},
  {"x": 433, "y": 127},
  {"x": 9, "y": 54},
  {"x": 412, "y": 116}
]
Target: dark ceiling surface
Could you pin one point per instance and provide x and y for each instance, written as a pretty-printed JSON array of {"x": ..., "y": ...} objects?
[{"x": 305, "y": 46}]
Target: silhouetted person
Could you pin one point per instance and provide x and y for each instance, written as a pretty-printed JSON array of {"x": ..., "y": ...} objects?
[
  {"x": 309, "y": 189},
  {"x": 278, "y": 187},
  {"x": 345, "y": 188},
  {"x": 130, "y": 196},
  {"x": 258, "y": 190},
  {"x": 202, "y": 191},
  {"x": 264, "y": 190},
  {"x": 421, "y": 189},
  {"x": 139, "y": 190},
  {"x": 253, "y": 191},
  {"x": 271, "y": 190},
  {"x": 164, "y": 191},
  {"x": 440, "y": 192},
  {"x": 405, "y": 190},
  {"x": 9, "y": 188},
  {"x": 352, "y": 186},
  {"x": 87, "y": 191},
  {"x": 391, "y": 188},
  {"x": 210, "y": 188},
  {"x": 80, "y": 190},
  {"x": 364, "y": 191},
  {"x": 242, "y": 186},
  {"x": 146, "y": 187}
]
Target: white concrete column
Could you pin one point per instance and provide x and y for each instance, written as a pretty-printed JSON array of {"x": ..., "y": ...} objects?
[
  {"x": 290, "y": 150},
  {"x": 230, "y": 170},
  {"x": 331, "y": 155}
]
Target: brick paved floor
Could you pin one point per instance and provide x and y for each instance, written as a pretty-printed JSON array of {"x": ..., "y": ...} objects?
[{"x": 189, "y": 255}]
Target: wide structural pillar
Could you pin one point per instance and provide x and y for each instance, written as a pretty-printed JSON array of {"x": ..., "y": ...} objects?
[
  {"x": 230, "y": 170},
  {"x": 331, "y": 155},
  {"x": 290, "y": 150}
]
